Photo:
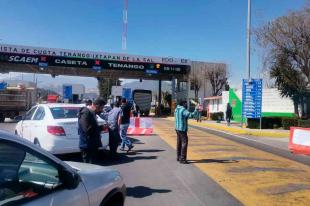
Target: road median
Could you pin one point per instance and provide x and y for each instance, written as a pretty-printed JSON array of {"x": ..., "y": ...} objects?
[{"x": 239, "y": 130}]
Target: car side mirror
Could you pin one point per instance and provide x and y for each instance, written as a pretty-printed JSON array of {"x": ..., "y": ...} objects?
[
  {"x": 19, "y": 118},
  {"x": 70, "y": 179}
]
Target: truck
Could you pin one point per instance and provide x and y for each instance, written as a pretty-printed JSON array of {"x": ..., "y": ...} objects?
[
  {"x": 16, "y": 98},
  {"x": 142, "y": 100}
]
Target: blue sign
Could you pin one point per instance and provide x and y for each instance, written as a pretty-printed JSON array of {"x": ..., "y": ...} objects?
[
  {"x": 127, "y": 94},
  {"x": 3, "y": 85},
  {"x": 150, "y": 71},
  {"x": 252, "y": 98},
  {"x": 43, "y": 64},
  {"x": 97, "y": 68},
  {"x": 67, "y": 92}
]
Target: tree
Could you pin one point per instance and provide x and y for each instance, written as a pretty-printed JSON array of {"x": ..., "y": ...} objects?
[
  {"x": 287, "y": 41},
  {"x": 217, "y": 75},
  {"x": 167, "y": 98},
  {"x": 196, "y": 80},
  {"x": 105, "y": 86}
]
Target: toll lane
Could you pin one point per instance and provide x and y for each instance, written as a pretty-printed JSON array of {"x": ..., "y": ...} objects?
[{"x": 252, "y": 176}]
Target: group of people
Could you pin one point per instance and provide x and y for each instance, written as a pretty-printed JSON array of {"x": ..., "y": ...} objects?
[{"x": 118, "y": 119}]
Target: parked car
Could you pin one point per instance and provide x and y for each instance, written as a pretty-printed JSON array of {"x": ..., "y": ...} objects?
[
  {"x": 54, "y": 127},
  {"x": 32, "y": 176}
]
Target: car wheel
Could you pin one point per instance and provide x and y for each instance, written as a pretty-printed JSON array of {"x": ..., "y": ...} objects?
[
  {"x": 114, "y": 203},
  {"x": 36, "y": 142},
  {"x": 116, "y": 200}
]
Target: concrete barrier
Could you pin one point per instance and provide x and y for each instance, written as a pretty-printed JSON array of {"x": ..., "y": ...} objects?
[
  {"x": 140, "y": 126},
  {"x": 299, "y": 140}
]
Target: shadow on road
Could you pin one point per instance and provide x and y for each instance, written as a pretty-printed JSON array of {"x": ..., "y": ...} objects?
[
  {"x": 104, "y": 160},
  {"x": 123, "y": 159},
  {"x": 142, "y": 191},
  {"x": 135, "y": 141},
  {"x": 212, "y": 161},
  {"x": 135, "y": 152}
]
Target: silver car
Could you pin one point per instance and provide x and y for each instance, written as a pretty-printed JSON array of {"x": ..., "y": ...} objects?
[{"x": 31, "y": 176}]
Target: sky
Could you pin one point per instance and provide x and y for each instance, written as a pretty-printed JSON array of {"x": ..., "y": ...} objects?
[{"x": 204, "y": 30}]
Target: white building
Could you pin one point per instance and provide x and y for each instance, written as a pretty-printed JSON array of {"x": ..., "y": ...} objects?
[{"x": 273, "y": 105}]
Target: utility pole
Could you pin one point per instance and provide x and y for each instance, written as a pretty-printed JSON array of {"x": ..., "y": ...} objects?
[
  {"x": 248, "y": 56},
  {"x": 125, "y": 23},
  {"x": 248, "y": 50}
]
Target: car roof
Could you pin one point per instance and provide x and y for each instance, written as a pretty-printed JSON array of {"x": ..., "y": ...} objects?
[{"x": 52, "y": 105}]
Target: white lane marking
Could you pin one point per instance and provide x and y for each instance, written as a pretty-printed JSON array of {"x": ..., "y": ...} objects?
[{"x": 238, "y": 136}]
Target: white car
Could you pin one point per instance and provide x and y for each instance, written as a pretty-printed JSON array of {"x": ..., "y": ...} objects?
[
  {"x": 54, "y": 127},
  {"x": 32, "y": 176}
]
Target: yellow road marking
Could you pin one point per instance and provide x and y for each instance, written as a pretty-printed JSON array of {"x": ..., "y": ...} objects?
[{"x": 253, "y": 176}]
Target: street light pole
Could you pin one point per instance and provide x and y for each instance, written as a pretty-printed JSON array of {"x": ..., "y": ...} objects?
[
  {"x": 248, "y": 50},
  {"x": 248, "y": 56}
]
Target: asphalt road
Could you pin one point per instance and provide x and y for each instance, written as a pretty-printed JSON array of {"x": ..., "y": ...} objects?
[
  {"x": 253, "y": 172},
  {"x": 272, "y": 145},
  {"x": 225, "y": 170},
  {"x": 153, "y": 176}
]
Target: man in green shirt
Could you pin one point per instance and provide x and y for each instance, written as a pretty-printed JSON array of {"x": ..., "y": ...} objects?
[{"x": 181, "y": 115}]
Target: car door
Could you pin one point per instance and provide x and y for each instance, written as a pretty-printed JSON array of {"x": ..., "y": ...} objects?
[
  {"x": 29, "y": 179},
  {"x": 39, "y": 127},
  {"x": 27, "y": 124}
]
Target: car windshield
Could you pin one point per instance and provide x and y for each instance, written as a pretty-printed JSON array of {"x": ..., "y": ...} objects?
[{"x": 64, "y": 112}]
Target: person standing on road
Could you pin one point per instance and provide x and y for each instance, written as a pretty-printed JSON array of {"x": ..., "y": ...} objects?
[
  {"x": 89, "y": 130},
  {"x": 181, "y": 115},
  {"x": 199, "y": 113},
  {"x": 228, "y": 114},
  {"x": 114, "y": 129},
  {"x": 125, "y": 120}
]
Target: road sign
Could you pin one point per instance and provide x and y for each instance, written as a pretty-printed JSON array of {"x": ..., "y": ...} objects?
[
  {"x": 151, "y": 71},
  {"x": 67, "y": 92},
  {"x": 252, "y": 98},
  {"x": 3, "y": 85},
  {"x": 127, "y": 93}
]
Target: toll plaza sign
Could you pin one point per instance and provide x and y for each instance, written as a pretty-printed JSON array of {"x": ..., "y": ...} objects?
[
  {"x": 94, "y": 60},
  {"x": 17, "y": 49},
  {"x": 97, "y": 65}
]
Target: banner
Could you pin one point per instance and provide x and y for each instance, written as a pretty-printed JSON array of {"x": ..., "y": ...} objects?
[
  {"x": 96, "y": 64},
  {"x": 28, "y": 50}
]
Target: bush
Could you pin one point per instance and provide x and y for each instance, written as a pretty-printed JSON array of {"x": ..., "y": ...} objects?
[
  {"x": 253, "y": 123},
  {"x": 204, "y": 113},
  {"x": 289, "y": 122},
  {"x": 217, "y": 116},
  {"x": 304, "y": 123},
  {"x": 267, "y": 123},
  {"x": 166, "y": 111}
]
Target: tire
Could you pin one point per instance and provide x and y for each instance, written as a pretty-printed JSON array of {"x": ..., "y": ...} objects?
[
  {"x": 115, "y": 200},
  {"x": 36, "y": 142},
  {"x": 114, "y": 203}
]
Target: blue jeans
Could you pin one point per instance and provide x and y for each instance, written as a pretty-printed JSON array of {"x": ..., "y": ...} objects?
[{"x": 123, "y": 134}]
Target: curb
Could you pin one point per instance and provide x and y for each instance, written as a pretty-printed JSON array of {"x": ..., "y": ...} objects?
[{"x": 239, "y": 131}]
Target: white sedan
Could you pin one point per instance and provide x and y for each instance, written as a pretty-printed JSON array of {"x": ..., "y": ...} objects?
[
  {"x": 32, "y": 176},
  {"x": 54, "y": 127}
]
